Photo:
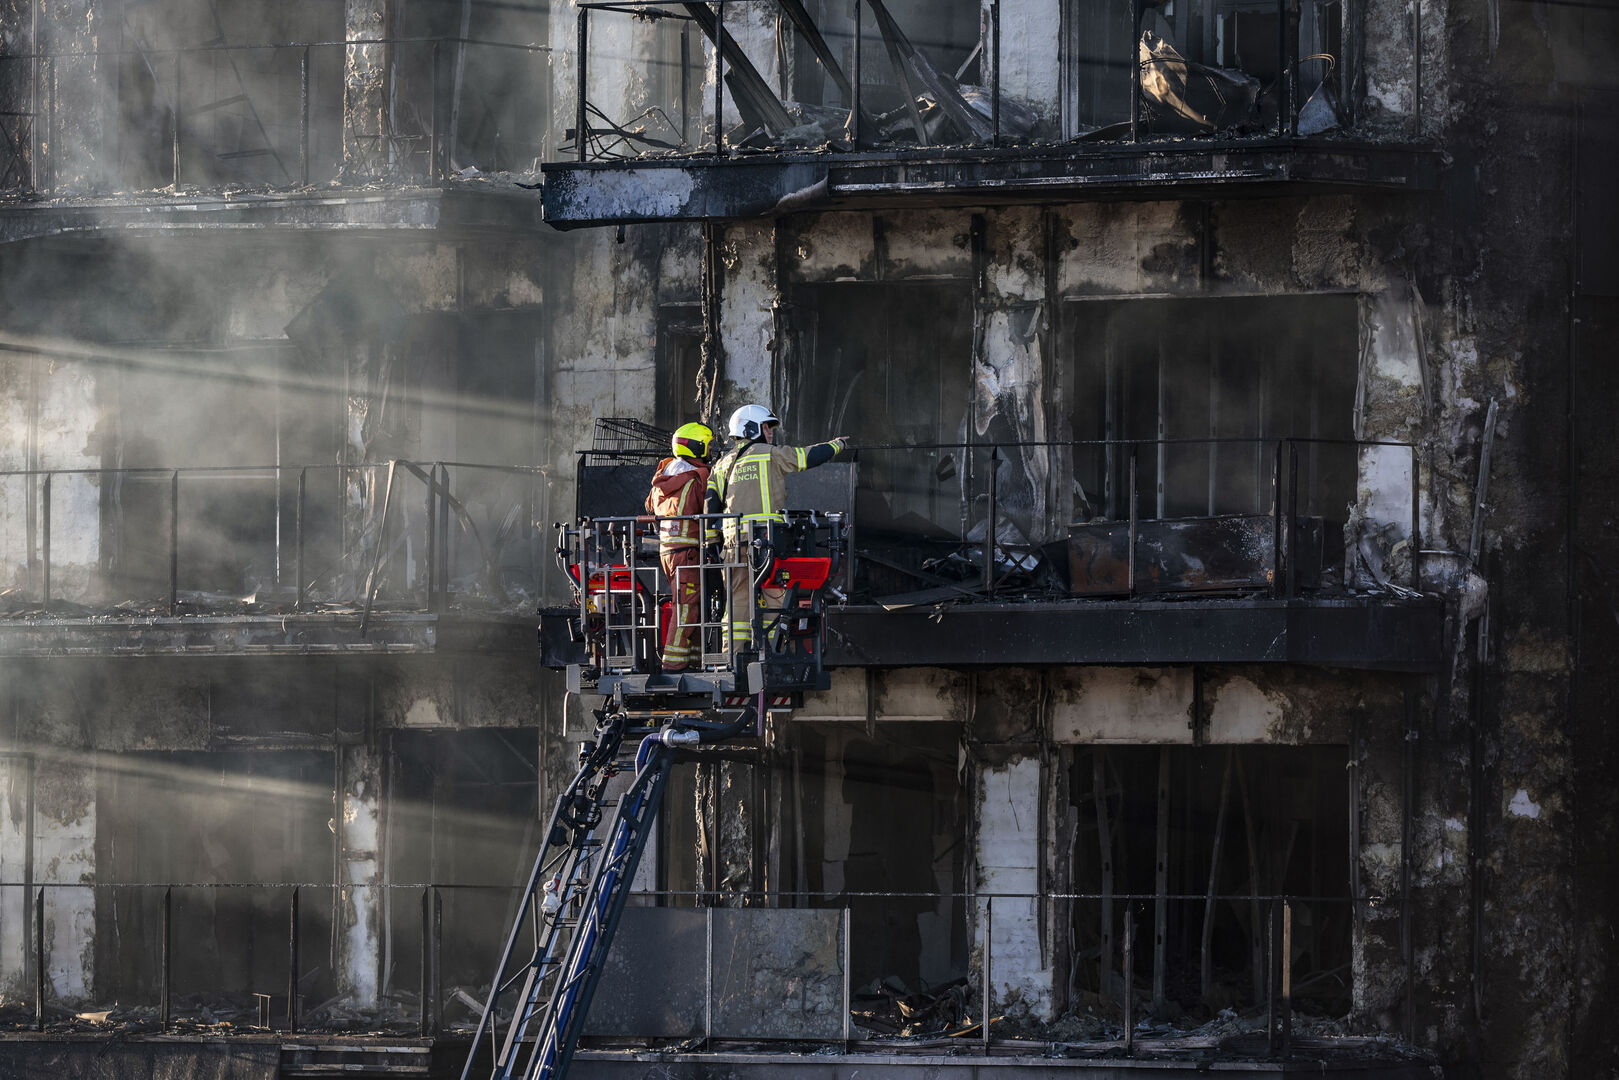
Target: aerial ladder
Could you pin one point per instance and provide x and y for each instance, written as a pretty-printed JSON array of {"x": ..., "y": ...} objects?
[{"x": 559, "y": 942}]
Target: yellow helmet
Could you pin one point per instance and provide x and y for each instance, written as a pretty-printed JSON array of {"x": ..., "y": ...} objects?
[{"x": 693, "y": 441}]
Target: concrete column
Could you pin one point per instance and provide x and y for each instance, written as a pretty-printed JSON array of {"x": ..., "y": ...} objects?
[
  {"x": 1029, "y": 57},
  {"x": 365, "y": 88},
  {"x": 1007, "y": 853},
  {"x": 65, "y": 855},
  {"x": 74, "y": 87},
  {"x": 359, "y": 909},
  {"x": 747, "y": 317},
  {"x": 16, "y": 810}
]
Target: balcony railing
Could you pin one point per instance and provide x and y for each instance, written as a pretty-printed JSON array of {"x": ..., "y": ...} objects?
[
  {"x": 649, "y": 87},
  {"x": 1257, "y": 517},
  {"x": 935, "y": 522},
  {"x": 396, "y": 536},
  {"x": 267, "y": 116},
  {"x": 1147, "y": 516},
  {"x": 687, "y": 965}
]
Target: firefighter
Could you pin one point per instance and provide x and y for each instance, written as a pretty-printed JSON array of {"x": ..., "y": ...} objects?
[
  {"x": 676, "y": 498},
  {"x": 751, "y": 480}
]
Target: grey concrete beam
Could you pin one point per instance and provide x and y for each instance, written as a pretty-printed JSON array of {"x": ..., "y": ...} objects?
[
  {"x": 471, "y": 209},
  {"x": 1365, "y": 634},
  {"x": 262, "y": 635}
]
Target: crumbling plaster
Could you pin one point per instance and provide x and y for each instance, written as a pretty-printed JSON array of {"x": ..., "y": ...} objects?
[{"x": 358, "y": 952}]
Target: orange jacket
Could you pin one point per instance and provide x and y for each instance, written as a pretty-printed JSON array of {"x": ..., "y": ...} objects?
[{"x": 677, "y": 491}]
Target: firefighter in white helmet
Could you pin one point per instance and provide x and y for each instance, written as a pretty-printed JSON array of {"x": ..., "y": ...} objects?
[{"x": 751, "y": 481}]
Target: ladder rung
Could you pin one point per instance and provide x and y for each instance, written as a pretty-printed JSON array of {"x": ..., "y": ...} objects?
[{"x": 265, "y": 152}]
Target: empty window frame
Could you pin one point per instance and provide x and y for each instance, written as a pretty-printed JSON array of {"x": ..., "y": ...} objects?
[
  {"x": 886, "y": 364},
  {"x": 945, "y": 32},
  {"x": 1100, "y": 45},
  {"x": 247, "y": 408},
  {"x": 229, "y": 830},
  {"x": 881, "y": 813},
  {"x": 462, "y": 815},
  {"x": 1206, "y": 387},
  {"x": 239, "y": 113},
  {"x": 1247, "y": 826}
]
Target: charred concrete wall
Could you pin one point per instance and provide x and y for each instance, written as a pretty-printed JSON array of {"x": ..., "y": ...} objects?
[
  {"x": 1476, "y": 801},
  {"x": 1453, "y": 827}
]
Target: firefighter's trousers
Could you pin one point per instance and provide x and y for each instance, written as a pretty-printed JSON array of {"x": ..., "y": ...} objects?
[
  {"x": 682, "y": 641},
  {"x": 739, "y": 605}
]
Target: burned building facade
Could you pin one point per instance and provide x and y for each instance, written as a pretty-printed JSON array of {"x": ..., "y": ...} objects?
[{"x": 1229, "y": 598}]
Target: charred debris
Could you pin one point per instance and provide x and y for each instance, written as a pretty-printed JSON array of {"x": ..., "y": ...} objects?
[{"x": 1167, "y": 94}]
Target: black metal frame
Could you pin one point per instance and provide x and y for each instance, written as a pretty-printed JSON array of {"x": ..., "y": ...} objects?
[
  {"x": 440, "y": 505},
  {"x": 1286, "y": 88},
  {"x": 615, "y": 616}
]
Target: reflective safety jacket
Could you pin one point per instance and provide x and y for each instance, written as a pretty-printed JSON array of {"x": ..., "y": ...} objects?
[
  {"x": 677, "y": 492},
  {"x": 752, "y": 479}
]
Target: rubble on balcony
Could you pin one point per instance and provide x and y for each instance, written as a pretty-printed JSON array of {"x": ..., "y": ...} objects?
[{"x": 1187, "y": 98}]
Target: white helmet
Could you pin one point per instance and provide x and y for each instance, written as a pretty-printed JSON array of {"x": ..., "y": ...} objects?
[{"x": 748, "y": 422}]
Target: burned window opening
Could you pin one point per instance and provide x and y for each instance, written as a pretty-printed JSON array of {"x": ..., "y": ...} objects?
[
  {"x": 1243, "y": 825},
  {"x": 1207, "y": 65},
  {"x": 883, "y": 814},
  {"x": 201, "y": 820},
  {"x": 197, "y": 94},
  {"x": 1190, "y": 401},
  {"x": 463, "y": 815},
  {"x": 890, "y": 364},
  {"x": 1182, "y": 375}
]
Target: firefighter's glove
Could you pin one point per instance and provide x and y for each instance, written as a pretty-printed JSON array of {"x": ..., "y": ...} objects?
[{"x": 841, "y": 443}]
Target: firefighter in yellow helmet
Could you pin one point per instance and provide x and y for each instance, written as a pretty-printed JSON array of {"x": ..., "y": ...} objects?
[
  {"x": 676, "y": 497},
  {"x": 751, "y": 480}
]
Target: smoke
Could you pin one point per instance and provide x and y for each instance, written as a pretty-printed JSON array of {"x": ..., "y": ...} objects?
[{"x": 266, "y": 363}]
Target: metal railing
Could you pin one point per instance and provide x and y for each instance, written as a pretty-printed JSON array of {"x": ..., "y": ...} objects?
[
  {"x": 962, "y": 490},
  {"x": 934, "y": 108},
  {"x": 290, "y": 138},
  {"x": 620, "y": 587},
  {"x": 291, "y": 538},
  {"x": 296, "y": 926},
  {"x": 428, "y": 536}
]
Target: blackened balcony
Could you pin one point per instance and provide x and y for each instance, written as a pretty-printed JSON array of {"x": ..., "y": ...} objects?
[
  {"x": 882, "y": 104},
  {"x": 360, "y": 133},
  {"x": 387, "y": 557},
  {"x": 1166, "y": 551}
]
